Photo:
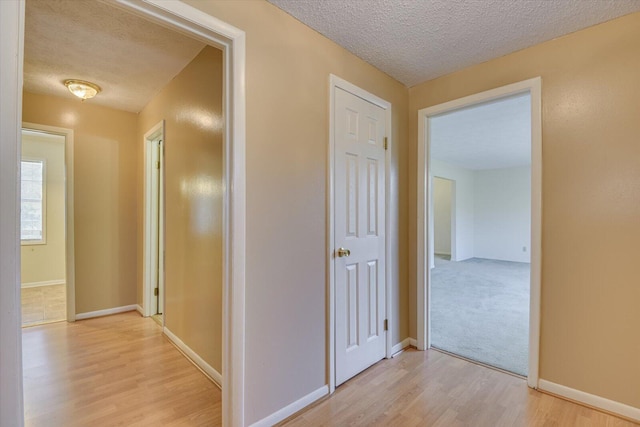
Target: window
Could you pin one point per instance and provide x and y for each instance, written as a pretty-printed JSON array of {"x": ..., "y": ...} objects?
[{"x": 32, "y": 206}]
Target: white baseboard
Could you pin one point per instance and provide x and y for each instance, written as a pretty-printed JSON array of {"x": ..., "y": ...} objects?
[
  {"x": 401, "y": 345},
  {"x": 105, "y": 312},
  {"x": 43, "y": 283},
  {"x": 139, "y": 309},
  {"x": 294, "y": 407},
  {"x": 215, "y": 376},
  {"x": 592, "y": 400},
  {"x": 413, "y": 342}
]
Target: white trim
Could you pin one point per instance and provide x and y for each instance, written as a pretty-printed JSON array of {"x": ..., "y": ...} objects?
[
  {"x": 43, "y": 283},
  {"x": 336, "y": 81},
  {"x": 591, "y": 400},
  {"x": 534, "y": 87},
  {"x": 422, "y": 251},
  {"x": 401, "y": 345},
  {"x": 392, "y": 230},
  {"x": 149, "y": 234},
  {"x": 69, "y": 238},
  {"x": 139, "y": 310},
  {"x": 413, "y": 342},
  {"x": 106, "y": 312},
  {"x": 292, "y": 408},
  {"x": 208, "y": 370},
  {"x": 331, "y": 292},
  {"x": 193, "y": 22},
  {"x": 11, "y": 60},
  {"x": 391, "y": 221},
  {"x": 43, "y": 200}
]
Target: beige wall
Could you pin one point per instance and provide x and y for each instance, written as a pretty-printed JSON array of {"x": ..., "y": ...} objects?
[
  {"x": 191, "y": 105},
  {"x": 287, "y": 81},
  {"x": 46, "y": 262},
  {"x": 105, "y": 164},
  {"x": 591, "y": 192}
]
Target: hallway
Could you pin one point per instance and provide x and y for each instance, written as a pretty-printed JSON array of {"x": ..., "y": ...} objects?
[{"x": 114, "y": 370}]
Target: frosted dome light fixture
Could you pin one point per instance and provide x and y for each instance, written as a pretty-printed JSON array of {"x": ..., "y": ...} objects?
[{"x": 82, "y": 89}]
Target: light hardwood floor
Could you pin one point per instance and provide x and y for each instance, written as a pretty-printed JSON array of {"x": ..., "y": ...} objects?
[
  {"x": 435, "y": 389},
  {"x": 43, "y": 304},
  {"x": 115, "y": 370},
  {"x": 120, "y": 370}
]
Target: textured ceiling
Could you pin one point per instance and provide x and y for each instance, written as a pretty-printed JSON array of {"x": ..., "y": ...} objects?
[
  {"x": 129, "y": 58},
  {"x": 493, "y": 135},
  {"x": 417, "y": 40}
]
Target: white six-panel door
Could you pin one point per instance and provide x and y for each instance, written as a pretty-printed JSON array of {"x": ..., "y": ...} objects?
[{"x": 359, "y": 180}]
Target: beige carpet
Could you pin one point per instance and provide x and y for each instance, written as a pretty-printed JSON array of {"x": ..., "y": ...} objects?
[{"x": 480, "y": 310}]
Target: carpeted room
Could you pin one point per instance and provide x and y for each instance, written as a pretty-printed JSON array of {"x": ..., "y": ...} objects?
[{"x": 480, "y": 265}]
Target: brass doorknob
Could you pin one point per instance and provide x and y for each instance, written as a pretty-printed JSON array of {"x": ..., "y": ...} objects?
[{"x": 342, "y": 252}]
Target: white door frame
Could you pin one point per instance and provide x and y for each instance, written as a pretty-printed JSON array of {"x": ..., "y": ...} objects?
[
  {"x": 534, "y": 87},
  {"x": 390, "y": 221},
  {"x": 69, "y": 242},
  {"x": 151, "y": 234},
  {"x": 188, "y": 20}
]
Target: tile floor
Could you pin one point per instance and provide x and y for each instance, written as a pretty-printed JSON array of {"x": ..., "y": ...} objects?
[{"x": 44, "y": 304}]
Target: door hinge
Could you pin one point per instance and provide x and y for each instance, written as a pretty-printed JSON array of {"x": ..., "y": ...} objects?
[
  {"x": 155, "y": 293},
  {"x": 157, "y": 165},
  {"x": 386, "y": 325},
  {"x": 386, "y": 143}
]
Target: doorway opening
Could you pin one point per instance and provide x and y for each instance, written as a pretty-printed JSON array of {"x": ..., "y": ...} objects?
[
  {"x": 230, "y": 41},
  {"x": 443, "y": 219},
  {"x": 154, "y": 252},
  {"x": 46, "y": 225},
  {"x": 481, "y": 301}
]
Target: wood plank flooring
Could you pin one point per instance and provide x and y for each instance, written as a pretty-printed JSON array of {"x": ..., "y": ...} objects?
[
  {"x": 115, "y": 370},
  {"x": 435, "y": 389},
  {"x": 121, "y": 371}
]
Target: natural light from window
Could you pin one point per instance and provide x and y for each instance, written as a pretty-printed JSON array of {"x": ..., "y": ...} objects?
[{"x": 32, "y": 202}]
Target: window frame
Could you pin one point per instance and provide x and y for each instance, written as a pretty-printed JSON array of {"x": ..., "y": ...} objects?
[{"x": 43, "y": 240}]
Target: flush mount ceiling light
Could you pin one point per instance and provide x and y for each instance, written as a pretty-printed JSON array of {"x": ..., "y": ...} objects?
[{"x": 82, "y": 89}]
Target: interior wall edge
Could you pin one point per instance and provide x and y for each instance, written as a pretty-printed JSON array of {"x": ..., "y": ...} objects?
[
  {"x": 198, "y": 361},
  {"x": 590, "y": 400},
  {"x": 289, "y": 410},
  {"x": 106, "y": 312},
  {"x": 11, "y": 48}
]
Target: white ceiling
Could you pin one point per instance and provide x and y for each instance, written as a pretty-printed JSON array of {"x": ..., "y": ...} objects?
[
  {"x": 130, "y": 58},
  {"x": 493, "y": 135},
  {"x": 417, "y": 40}
]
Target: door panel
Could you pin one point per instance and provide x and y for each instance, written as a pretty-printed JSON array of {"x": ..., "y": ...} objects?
[{"x": 359, "y": 193}]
